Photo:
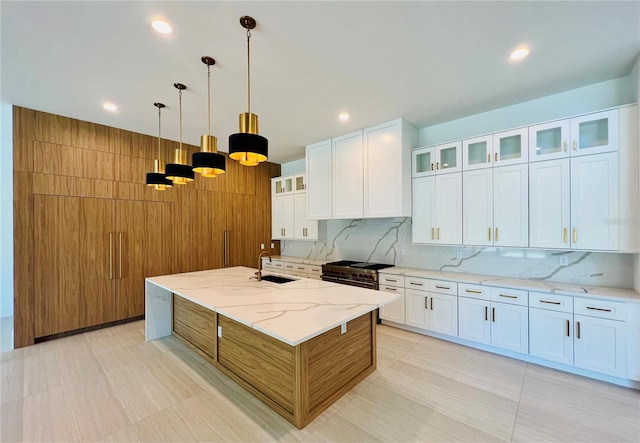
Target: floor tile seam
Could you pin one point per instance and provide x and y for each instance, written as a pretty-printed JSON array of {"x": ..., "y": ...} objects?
[{"x": 515, "y": 417}]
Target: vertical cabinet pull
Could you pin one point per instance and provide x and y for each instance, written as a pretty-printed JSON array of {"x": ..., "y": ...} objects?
[
  {"x": 496, "y": 236},
  {"x": 488, "y": 158},
  {"x": 432, "y": 303},
  {"x": 437, "y": 233},
  {"x": 575, "y": 235},
  {"x": 574, "y": 145},
  {"x": 110, "y": 255},
  {"x": 495, "y": 157},
  {"x": 432, "y": 233},
  {"x": 564, "y": 146},
  {"x": 486, "y": 313},
  {"x": 489, "y": 234},
  {"x": 437, "y": 165},
  {"x": 432, "y": 166},
  {"x": 426, "y": 302},
  {"x": 120, "y": 255},
  {"x": 493, "y": 315},
  {"x": 568, "y": 328},
  {"x": 565, "y": 235},
  {"x": 577, "y": 329}
]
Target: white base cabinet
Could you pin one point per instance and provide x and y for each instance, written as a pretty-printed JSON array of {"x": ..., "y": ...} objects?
[
  {"x": 395, "y": 310},
  {"x": 551, "y": 335},
  {"x": 600, "y": 345}
]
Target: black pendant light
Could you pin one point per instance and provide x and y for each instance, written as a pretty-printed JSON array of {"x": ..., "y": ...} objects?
[
  {"x": 179, "y": 172},
  {"x": 208, "y": 162},
  {"x": 247, "y": 146},
  {"x": 157, "y": 179}
]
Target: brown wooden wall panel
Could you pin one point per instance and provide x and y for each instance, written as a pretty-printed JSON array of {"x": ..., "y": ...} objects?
[
  {"x": 23, "y": 136},
  {"x": 195, "y": 324},
  {"x": 207, "y": 230},
  {"x": 23, "y": 259},
  {"x": 72, "y": 186},
  {"x": 76, "y": 162},
  {"x": 136, "y": 191},
  {"x": 329, "y": 369},
  {"x": 130, "y": 243},
  {"x": 265, "y": 363}
]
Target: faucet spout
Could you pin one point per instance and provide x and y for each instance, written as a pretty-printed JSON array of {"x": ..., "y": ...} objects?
[{"x": 262, "y": 254}]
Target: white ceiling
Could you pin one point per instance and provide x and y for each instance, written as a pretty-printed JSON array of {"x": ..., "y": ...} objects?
[{"x": 428, "y": 62}]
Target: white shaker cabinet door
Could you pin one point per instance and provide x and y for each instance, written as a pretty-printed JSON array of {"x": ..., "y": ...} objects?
[
  {"x": 550, "y": 335},
  {"x": 393, "y": 311},
  {"x": 449, "y": 209},
  {"x": 511, "y": 206},
  {"x": 473, "y": 320},
  {"x": 594, "y": 202},
  {"x": 549, "y": 141},
  {"x": 443, "y": 314},
  {"x": 305, "y": 229},
  {"x": 424, "y": 210},
  {"x": 477, "y": 212},
  {"x": 348, "y": 176},
  {"x": 549, "y": 204},
  {"x": 594, "y": 133},
  {"x": 600, "y": 345},
  {"x": 510, "y": 327},
  {"x": 416, "y": 308},
  {"x": 318, "y": 178}
]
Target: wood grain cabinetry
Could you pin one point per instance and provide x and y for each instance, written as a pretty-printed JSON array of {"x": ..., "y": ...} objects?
[
  {"x": 87, "y": 230},
  {"x": 195, "y": 324}
]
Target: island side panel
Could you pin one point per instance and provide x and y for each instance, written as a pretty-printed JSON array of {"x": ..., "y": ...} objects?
[
  {"x": 158, "y": 313},
  {"x": 196, "y": 325},
  {"x": 337, "y": 362},
  {"x": 262, "y": 364}
]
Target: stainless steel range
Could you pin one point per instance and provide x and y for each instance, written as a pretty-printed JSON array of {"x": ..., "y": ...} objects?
[{"x": 353, "y": 273}]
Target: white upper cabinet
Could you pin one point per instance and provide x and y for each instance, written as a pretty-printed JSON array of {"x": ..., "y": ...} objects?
[
  {"x": 477, "y": 153},
  {"x": 318, "y": 168},
  {"x": 437, "y": 214},
  {"x": 281, "y": 186},
  {"x": 424, "y": 210},
  {"x": 387, "y": 169},
  {"x": 347, "y": 176},
  {"x": 549, "y": 204},
  {"x": 477, "y": 212},
  {"x": 299, "y": 183},
  {"x": 511, "y": 147},
  {"x": 439, "y": 159},
  {"x": 594, "y": 133},
  {"x": 549, "y": 141},
  {"x": 511, "y": 206},
  {"x": 594, "y": 202},
  {"x": 585, "y": 135},
  {"x": 304, "y": 228},
  {"x": 282, "y": 217},
  {"x": 289, "y": 210}
]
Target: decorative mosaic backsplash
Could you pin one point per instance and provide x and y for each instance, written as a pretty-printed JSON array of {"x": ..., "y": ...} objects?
[{"x": 388, "y": 240}]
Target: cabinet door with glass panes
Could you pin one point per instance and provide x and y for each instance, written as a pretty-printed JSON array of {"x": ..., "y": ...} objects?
[
  {"x": 439, "y": 159},
  {"x": 549, "y": 141},
  {"x": 281, "y": 186},
  {"x": 477, "y": 153},
  {"x": 511, "y": 147},
  {"x": 299, "y": 183},
  {"x": 594, "y": 133}
]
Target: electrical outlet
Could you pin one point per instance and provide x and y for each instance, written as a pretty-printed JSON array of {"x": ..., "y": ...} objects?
[
  {"x": 261, "y": 245},
  {"x": 459, "y": 255},
  {"x": 273, "y": 245},
  {"x": 402, "y": 251},
  {"x": 564, "y": 260},
  {"x": 343, "y": 328}
]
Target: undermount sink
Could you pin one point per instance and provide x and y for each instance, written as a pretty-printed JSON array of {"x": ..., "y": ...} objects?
[{"x": 277, "y": 279}]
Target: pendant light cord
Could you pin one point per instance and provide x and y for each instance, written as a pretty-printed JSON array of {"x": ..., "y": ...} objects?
[
  {"x": 159, "y": 110},
  {"x": 209, "y": 97},
  {"x": 248, "y": 72},
  {"x": 180, "y": 100}
]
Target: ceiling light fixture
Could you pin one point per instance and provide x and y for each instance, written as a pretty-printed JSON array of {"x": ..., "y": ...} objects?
[
  {"x": 179, "y": 172},
  {"x": 343, "y": 117},
  {"x": 247, "y": 146},
  {"x": 208, "y": 163},
  {"x": 157, "y": 179},
  {"x": 162, "y": 26},
  {"x": 519, "y": 53},
  {"x": 110, "y": 107}
]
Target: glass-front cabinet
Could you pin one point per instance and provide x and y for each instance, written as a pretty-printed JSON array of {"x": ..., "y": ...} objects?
[
  {"x": 549, "y": 141},
  {"x": 281, "y": 185},
  {"x": 299, "y": 183},
  {"x": 439, "y": 159},
  {"x": 511, "y": 147},
  {"x": 477, "y": 152}
]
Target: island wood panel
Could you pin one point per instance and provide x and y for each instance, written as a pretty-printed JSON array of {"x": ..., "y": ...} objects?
[
  {"x": 263, "y": 362},
  {"x": 336, "y": 359},
  {"x": 48, "y": 184},
  {"x": 196, "y": 325}
]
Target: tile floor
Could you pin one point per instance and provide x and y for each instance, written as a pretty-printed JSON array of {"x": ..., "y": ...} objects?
[{"x": 111, "y": 386}]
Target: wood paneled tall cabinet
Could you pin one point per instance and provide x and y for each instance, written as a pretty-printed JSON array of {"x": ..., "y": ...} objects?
[{"x": 87, "y": 231}]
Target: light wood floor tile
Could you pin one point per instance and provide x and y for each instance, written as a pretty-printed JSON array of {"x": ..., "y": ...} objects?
[
  {"x": 12, "y": 379},
  {"x": 47, "y": 417},
  {"x": 580, "y": 410},
  {"x": 125, "y": 335},
  {"x": 11, "y": 421},
  {"x": 42, "y": 372},
  {"x": 164, "y": 426},
  {"x": 149, "y": 386},
  {"x": 116, "y": 357},
  {"x": 126, "y": 435},
  {"x": 337, "y": 428}
]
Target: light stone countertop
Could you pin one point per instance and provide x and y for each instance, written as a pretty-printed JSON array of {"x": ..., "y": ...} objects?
[
  {"x": 291, "y": 312},
  {"x": 290, "y": 259},
  {"x": 574, "y": 290}
]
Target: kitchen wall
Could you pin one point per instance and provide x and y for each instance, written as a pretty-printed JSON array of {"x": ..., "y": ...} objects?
[
  {"x": 389, "y": 240},
  {"x": 635, "y": 76},
  {"x": 6, "y": 210}
]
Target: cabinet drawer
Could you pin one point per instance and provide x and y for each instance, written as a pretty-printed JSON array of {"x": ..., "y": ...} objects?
[
  {"x": 392, "y": 289},
  {"x": 421, "y": 284},
  {"x": 511, "y": 296},
  {"x": 300, "y": 268},
  {"x": 600, "y": 308},
  {"x": 299, "y": 274},
  {"x": 314, "y": 271},
  {"x": 392, "y": 280},
  {"x": 289, "y": 268},
  {"x": 443, "y": 287},
  {"x": 278, "y": 266},
  {"x": 474, "y": 291},
  {"x": 551, "y": 302}
]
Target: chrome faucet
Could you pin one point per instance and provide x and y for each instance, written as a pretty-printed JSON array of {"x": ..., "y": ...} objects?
[{"x": 259, "y": 273}]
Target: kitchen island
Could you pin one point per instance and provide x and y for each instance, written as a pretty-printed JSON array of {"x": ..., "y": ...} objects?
[{"x": 297, "y": 346}]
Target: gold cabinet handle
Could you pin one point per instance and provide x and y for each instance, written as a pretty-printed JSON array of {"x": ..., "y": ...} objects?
[
  {"x": 110, "y": 255},
  {"x": 565, "y": 235},
  {"x": 575, "y": 235},
  {"x": 432, "y": 233},
  {"x": 437, "y": 233},
  {"x": 574, "y": 145},
  {"x": 493, "y": 315},
  {"x": 495, "y": 157},
  {"x": 489, "y": 233},
  {"x": 437, "y": 165},
  {"x": 488, "y": 158},
  {"x": 486, "y": 313},
  {"x": 120, "y": 254},
  {"x": 568, "y": 328},
  {"x": 472, "y": 291},
  {"x": 496, "y": 234},
  {"x": 564, "y": 146},
  {"x": 578, "y": 330}
]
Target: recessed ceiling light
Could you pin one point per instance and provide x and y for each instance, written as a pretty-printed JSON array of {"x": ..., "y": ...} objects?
[
  {"x": 343, "y": 117},
  {"x": 162, "y": 26},
  {"x": 519, "y": 53},
  {"x": 110, "y": 107}
]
